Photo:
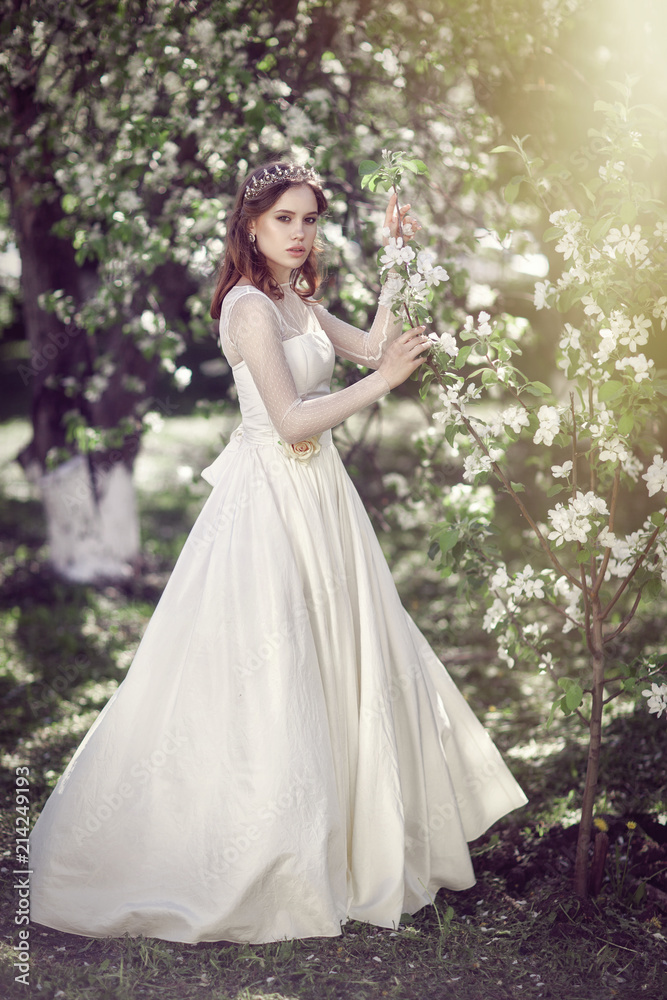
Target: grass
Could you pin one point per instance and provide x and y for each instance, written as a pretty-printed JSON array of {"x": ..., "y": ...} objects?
[{"x": 517, "y": 933}]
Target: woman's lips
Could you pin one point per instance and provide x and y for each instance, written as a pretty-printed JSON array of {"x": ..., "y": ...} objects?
[{"x": 297, "y": 251}]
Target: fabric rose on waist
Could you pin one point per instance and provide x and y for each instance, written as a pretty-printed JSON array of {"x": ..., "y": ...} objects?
[{"x": 302, "y": 451}]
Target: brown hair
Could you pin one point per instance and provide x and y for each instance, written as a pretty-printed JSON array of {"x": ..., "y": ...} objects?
[{"x": 242, "y": 259}]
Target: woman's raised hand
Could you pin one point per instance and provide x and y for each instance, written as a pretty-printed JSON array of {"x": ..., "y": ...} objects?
[
  {"x": 408, "y": 225},
  {"x": 404, "y": 355}
]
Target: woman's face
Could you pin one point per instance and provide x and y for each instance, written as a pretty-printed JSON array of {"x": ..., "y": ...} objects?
[{"x": 286, "y": 232}]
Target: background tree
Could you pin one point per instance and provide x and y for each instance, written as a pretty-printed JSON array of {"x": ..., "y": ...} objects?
[{"x": 126, "y": 128}]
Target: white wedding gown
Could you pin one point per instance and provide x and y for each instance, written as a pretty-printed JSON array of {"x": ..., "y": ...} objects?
[{"x": 286, "y": 752}]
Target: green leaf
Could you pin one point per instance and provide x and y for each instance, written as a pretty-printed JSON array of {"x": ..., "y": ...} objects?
[
  {"x": 537, "y": 389},
  {"x": 368, "y": 167},
  {"x": 447, "y": 539},
  {"x": 518, "y": 487},
  {"x": 582, "y": 556},
  {"x": 415, "y": 166},
  {"x": 574, "y": 697},
  {"x": 559, "y": 703},
  {"x": 610, "y": 390},
  {"x": 589, "y": 194},
  {"x": 626, "y": 424},
  {"x": 570, "y": 297},
  {"x": 512, "y": 190},
  {"x": 451, "y": 430},
  {"x": 504, "y": 149},
  {"x": 463, "y": 355},
  {"x": 657, "y": 518},
  {"x": 553, "y": 491},
  {"x": 601, "y": 228},
  {"x": 552, "y": 233},
  {"x": 653, "y": 588},
  {"x": 639, "y": 894}
]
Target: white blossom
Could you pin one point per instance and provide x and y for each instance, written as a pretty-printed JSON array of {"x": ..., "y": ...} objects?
[
  {"x": 525, "y": 584},
  {"x": 572, "y": 338},
  {"x": 549, "y": 425},
  {"x": 573, "y": 523},
  {"x": 588, "y": 503},
  {"x": 395, "y": 253},
  {"x": 546, "y": 662},
  {"x": 515, "y": 417},
  {"x": 660, "y": 311},
  {"x": 607, "y": 538},
  {"x": 542, "y": 289},
  {"x": 153, "y": 421},
  {"x": 657, "y": 698},
  {"x": 494, "y": 615},
  {"x": 591, "y": 308},
  {"x": 628, "y": 243},
  {"x": 504, "y": 640},
  {"x": 656, "y": 476},
  {"x": 500, "y": 579},
  {"x": 182, "y": 377},
  {"x": 435, "y": 275},
  {"x": 572, "y": 608},
  {"x": 568, "y": 245},
  {"x": 637, "y": 335},
  {"x": 392, "y": 291},
  {"x": 562, "y": 471},
  {"x": 569, "y": 221},
  {"x": 483, "y": 327},
  {"x": 632, "y": 466},
  {"x": 641, "y": 365},
  {"x": 452, "y": 405},
  {"x": 613, "y": 450},
  {"x": 475, "y": 464},
  {"x": 607, "y": 346},
  {"x": 448, "y": 344},
  {"x": 611, "y": 170}
]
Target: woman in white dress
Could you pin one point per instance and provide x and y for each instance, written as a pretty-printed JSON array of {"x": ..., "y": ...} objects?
[{"x": 286, "y": 752}]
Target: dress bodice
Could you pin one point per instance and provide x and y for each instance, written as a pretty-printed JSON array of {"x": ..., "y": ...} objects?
[
  {"x": 310, "y": 357},
  {"x": 282, "y": 354}
]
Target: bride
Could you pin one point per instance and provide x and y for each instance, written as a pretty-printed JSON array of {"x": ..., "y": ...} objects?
[{"x": 286, "y": 752}]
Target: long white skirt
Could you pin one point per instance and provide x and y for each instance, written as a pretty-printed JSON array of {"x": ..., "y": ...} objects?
[{"x": 286, "y": 752}]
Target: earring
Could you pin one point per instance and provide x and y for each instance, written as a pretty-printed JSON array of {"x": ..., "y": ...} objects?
[{"x": 251, "y": 237}]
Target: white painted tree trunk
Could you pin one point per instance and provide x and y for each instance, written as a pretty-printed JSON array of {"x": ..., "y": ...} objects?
[{"x": 93, "y": 529}]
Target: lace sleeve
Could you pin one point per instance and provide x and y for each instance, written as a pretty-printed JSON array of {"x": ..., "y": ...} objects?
[
  {"x": 253, "y": 329},
  {"x": 357, "y": 345}
]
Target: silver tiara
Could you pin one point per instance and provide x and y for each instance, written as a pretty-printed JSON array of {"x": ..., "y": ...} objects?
[{"x": 273, "y": 175}]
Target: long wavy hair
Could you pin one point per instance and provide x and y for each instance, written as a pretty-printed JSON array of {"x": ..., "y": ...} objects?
[{"x": 243, "y": 259}]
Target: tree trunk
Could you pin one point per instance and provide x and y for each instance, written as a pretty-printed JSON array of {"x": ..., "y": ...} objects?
[
  {"x": 595, "y": 742},
  {"x": 92, "y": 521},
  {"x": 89, "y": 500}
]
